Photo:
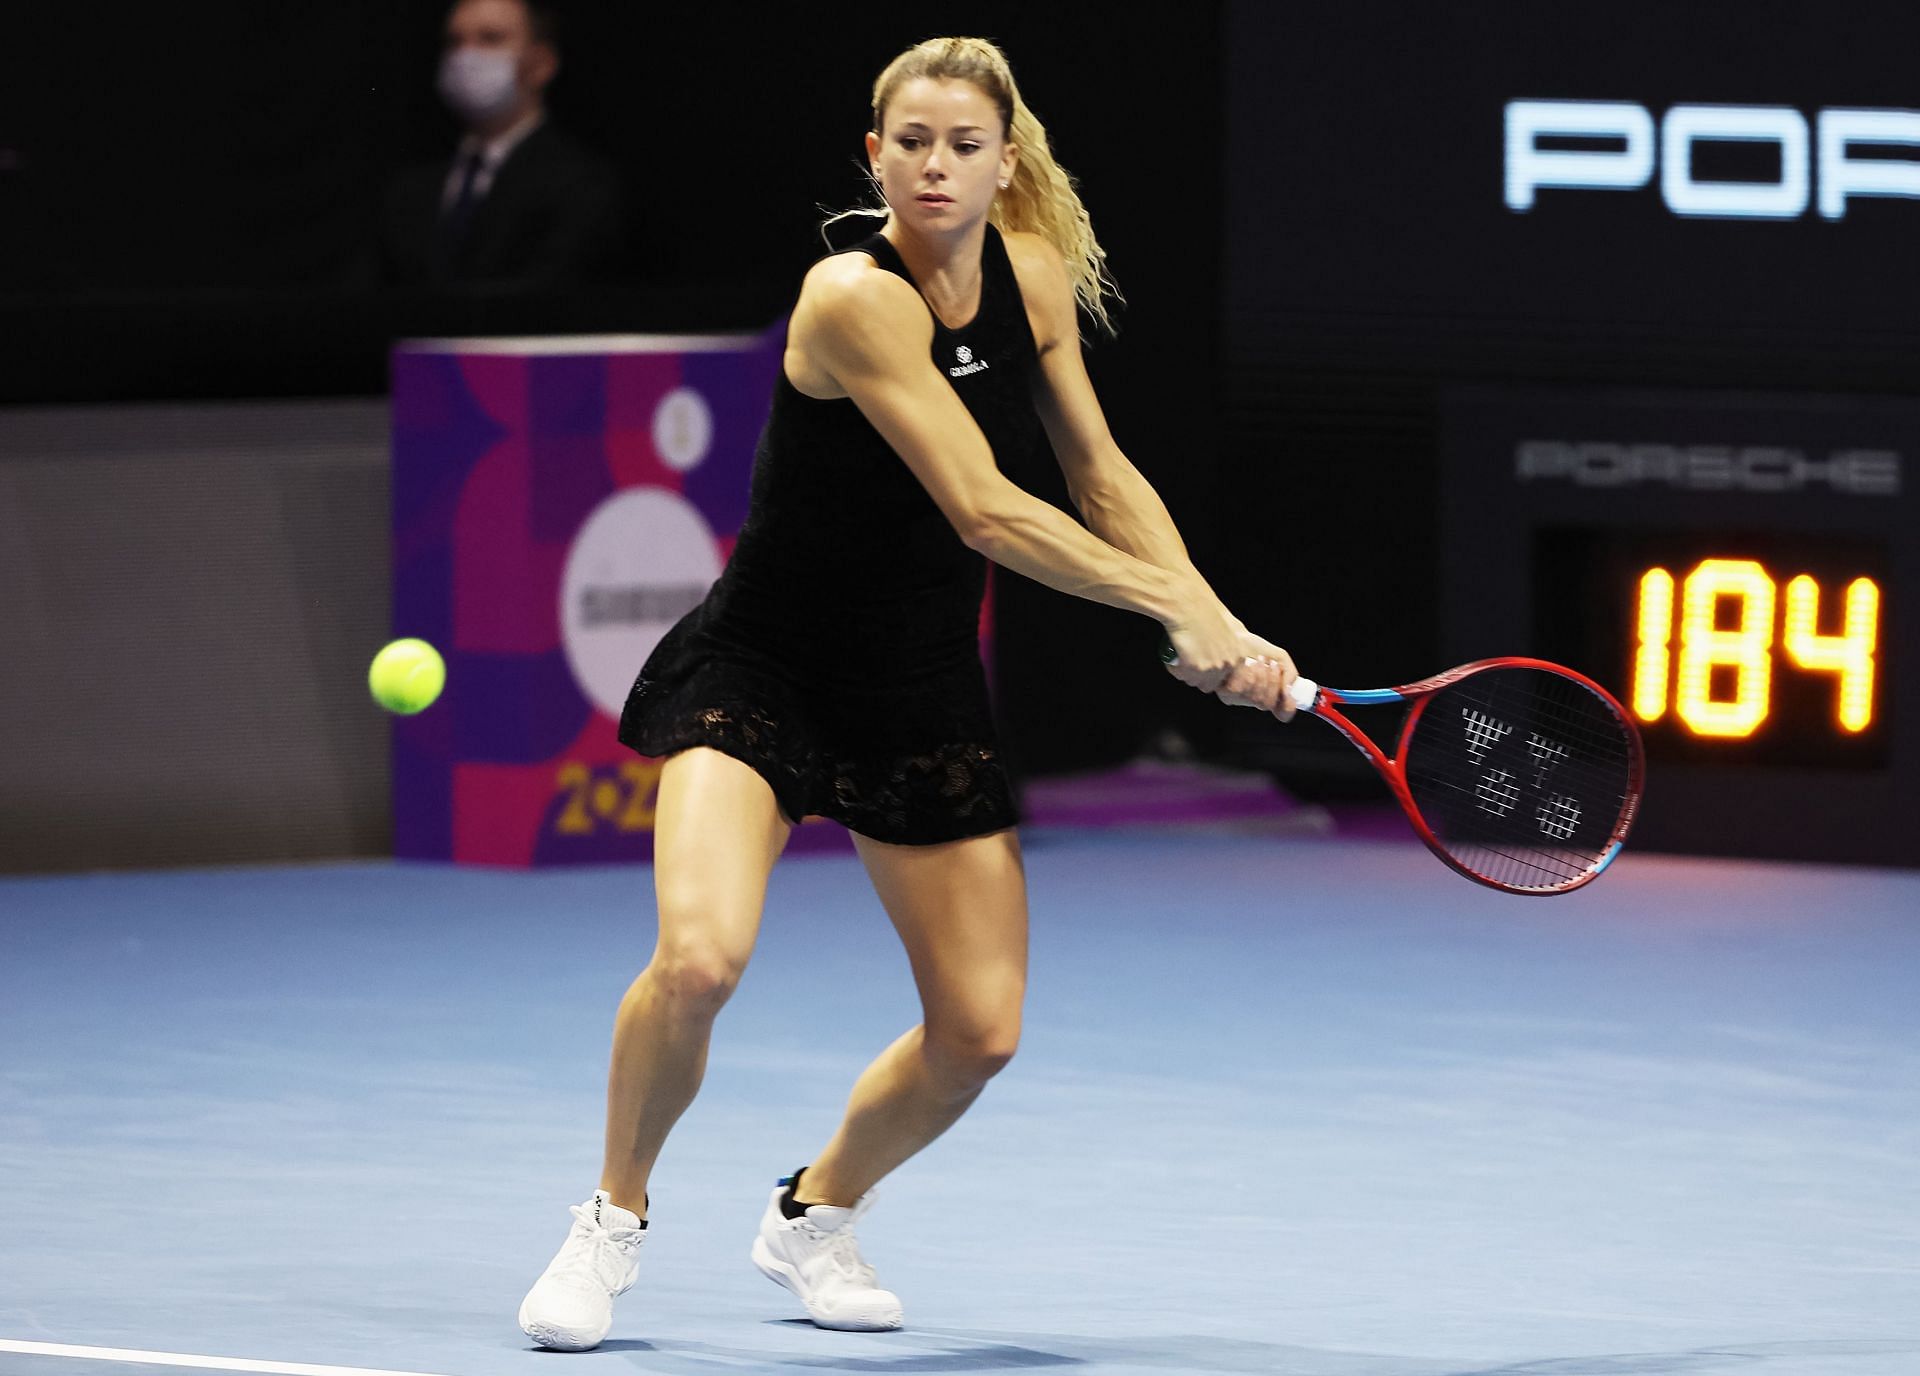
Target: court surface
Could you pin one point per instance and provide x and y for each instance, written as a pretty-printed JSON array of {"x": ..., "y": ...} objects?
[{"x": 1292, "y": 1105}]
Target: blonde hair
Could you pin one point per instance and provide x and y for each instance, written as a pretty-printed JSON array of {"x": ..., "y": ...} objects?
[{"x": 1043, "y": 198}]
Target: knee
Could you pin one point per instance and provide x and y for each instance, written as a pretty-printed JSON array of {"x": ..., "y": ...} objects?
[
  {"x": 966, "y": 1057},
  {"x": 694, "y": 978}
]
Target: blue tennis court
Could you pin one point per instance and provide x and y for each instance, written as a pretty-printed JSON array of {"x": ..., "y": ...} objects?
[
  {"x": 1285, "y": 1104},
  {"x": 916, "y": 406}
]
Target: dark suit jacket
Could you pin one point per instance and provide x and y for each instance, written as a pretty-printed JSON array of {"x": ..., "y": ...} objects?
[{"x": 553, "y": 216}]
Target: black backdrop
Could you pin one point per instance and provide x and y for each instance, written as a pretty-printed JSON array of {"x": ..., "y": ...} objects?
[
  {"x": 1372, "y": 263},
  {"x": 1304, "y": 204},
  {"x": 186, "y": 192}
]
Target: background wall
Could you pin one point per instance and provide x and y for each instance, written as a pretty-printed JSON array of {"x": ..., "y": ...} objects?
[
  {"x": 188, "y": 199},
  {"x": 1303, "y": 204},
  {"x": 1372, "y": 264},
  {"x": 190, "y": 591}
]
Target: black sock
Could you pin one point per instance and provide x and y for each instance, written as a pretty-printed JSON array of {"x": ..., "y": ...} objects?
[
  {"x": 643, "y": 1222},
  {"x": 790, "y": 1205}
]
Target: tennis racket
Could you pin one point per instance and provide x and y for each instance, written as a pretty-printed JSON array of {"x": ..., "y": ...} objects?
[{"x": 1522, "y": 775}]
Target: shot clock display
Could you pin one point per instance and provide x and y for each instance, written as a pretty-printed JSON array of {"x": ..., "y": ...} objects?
[
  {"x": 1750, "y": 650},
  {"x": 1706, "y": 646},
  {"x": 1739, "y": 570}
]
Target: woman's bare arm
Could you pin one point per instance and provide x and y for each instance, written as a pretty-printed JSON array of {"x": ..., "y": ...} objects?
[{"x": 1113, "y": 497}]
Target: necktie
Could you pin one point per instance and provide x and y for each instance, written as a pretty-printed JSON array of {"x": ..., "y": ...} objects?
[{"x": 453, "y": 224}]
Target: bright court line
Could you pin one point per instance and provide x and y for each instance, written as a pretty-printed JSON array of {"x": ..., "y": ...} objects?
[{"x": 127, "y": 1354}]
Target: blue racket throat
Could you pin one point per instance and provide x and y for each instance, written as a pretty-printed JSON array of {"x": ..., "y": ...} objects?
[{"x": 1366, "y": 697}]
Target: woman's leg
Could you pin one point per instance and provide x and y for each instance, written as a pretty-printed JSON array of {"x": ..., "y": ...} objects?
[
  {"x": 717, "y": 832},
  {"x": 961, "y": 910}
]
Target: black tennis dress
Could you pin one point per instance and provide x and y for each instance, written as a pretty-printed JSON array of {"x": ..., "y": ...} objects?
[{"x": 838, "y": 654}]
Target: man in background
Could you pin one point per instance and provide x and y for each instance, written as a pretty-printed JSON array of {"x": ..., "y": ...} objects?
[{"x": 521, "y": 204}]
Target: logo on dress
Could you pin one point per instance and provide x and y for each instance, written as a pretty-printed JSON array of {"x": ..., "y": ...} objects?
[{"x": 968, "y": 364}]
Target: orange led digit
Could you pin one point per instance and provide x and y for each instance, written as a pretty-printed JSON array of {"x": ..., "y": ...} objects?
[
  {"x": 1848, "y": 654},
  {"x": 1746, "y": 648},
  {"x": 1654, "y": 624}
]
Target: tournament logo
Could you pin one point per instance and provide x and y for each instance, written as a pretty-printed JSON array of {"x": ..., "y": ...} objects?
[{"x": 640, "y": 562}]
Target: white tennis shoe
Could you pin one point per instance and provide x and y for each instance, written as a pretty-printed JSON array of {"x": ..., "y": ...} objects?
[
  {"x": 817, "y": 1258},
  {"x": 571, "y": 1306}
]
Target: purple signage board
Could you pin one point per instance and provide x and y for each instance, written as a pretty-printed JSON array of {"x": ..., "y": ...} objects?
[{"x": 557, "y": 505}]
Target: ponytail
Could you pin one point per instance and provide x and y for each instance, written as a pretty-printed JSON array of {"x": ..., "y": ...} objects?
[{"x": 1044, "y": 199}]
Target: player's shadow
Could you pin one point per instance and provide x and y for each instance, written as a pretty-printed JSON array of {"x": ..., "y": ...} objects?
[
  {"x": 1193, "y": 1354},
  {"x": 987, "y": 1356}
]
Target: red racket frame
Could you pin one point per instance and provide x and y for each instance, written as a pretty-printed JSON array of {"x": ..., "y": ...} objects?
[{"x": 1326, "y": 705}]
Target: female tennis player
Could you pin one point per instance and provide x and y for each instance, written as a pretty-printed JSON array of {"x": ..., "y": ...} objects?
[{"x": 834, "y": 667}]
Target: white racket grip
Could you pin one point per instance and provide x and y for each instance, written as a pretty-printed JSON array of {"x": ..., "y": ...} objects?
[{"x": 1303, "y": 691}]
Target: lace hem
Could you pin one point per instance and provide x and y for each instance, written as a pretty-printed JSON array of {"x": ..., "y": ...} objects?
[{"x": 945, "y": 793}]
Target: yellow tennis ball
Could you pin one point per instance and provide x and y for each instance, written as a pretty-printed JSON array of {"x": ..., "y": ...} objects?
[{"x": 407, "y": 676}]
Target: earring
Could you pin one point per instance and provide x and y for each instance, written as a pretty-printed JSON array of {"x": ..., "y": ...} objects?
[{"x": 1005, "y": 185}]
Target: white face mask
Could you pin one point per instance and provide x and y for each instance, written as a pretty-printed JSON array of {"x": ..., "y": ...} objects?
[{"x": 477, "y": 83}]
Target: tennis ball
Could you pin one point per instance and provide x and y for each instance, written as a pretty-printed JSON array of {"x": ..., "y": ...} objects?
[{"x": 407, "y": 676}]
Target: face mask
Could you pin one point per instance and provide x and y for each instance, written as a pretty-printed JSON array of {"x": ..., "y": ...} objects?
[{"x": 477, "y": 84}]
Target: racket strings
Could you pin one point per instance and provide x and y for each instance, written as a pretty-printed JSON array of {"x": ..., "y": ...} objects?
[{"x": 1523, "y": 775}]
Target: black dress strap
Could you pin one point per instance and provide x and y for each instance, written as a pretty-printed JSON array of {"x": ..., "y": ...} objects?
[
  {"x": 880, "y": 248},
  {"x": 999, "y": 285}
]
